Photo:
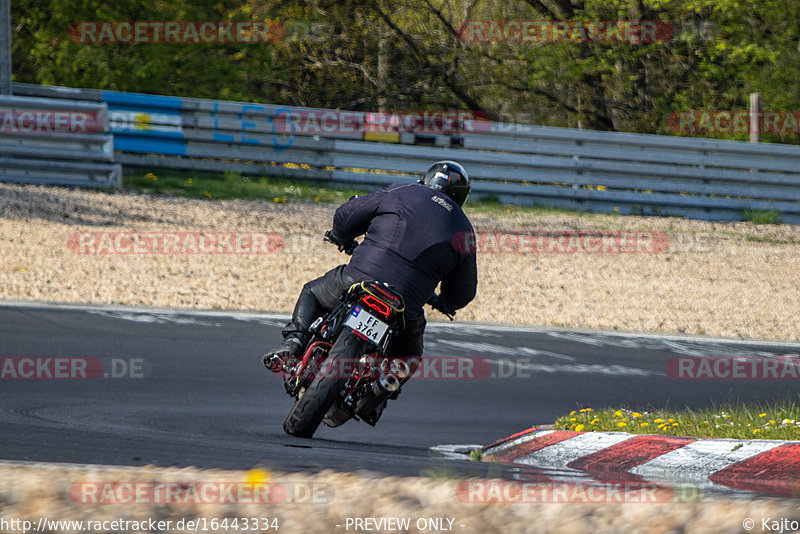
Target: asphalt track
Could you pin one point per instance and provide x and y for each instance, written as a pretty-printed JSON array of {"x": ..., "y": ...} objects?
[{"x": 198, "y": 394}]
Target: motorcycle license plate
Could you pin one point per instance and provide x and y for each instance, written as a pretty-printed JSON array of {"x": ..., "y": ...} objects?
[{"x": 366, "y": 324}]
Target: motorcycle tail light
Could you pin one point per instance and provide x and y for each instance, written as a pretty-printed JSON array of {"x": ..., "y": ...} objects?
[{"x": 377, "y": 305}]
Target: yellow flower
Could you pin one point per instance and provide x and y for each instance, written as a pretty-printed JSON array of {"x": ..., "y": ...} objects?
[
  {"x": 762, "y": 415},
  {"x": 257, "y": 476},
  {"x": 622, "y": 424},
  {"x": 276, "y": 200},
  {"x": 572, "y": 412},
  {"x": 573, "y": 418},
  {"x": 671, "y": 420},
  {"x": 618, "y": 413},
  {"x": 579, "y": 428},
  {"x": 659, "y": 420},
  {"x": 594, "y": 421},
  {"x": 190, "y": 181},
  {"x": 674, "y": 424},
  {"x": 207, "y": 194},
  {"x": 586, "y": 409},
  {"x": 644, "y": 424},
  {"x": 637, "y": 415},
  {"x": 755, "y": 430},
  {"x": 151, "y": 176},
  {"x": 772, "y": 421}
]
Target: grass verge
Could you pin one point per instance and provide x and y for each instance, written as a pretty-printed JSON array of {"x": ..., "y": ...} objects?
[
  {"x": 231, "y": 185},
  {"x": 762, "y": 216},
  {"x": 736, "y": 421},
  {"x": 234, "y": 185}
]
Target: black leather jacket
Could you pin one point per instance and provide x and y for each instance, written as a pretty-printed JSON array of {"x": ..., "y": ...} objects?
[{"x": 411, "y": 241}]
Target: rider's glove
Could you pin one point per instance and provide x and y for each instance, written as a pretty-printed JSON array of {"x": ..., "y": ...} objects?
[
  {"x": 438, "y": 302},
  {"x": 347, "y": 248}
]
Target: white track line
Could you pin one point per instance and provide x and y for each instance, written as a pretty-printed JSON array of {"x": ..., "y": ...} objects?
[{"x": 432, "y": 325}]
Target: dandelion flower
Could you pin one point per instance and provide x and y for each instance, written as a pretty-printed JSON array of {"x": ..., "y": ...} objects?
[
  {"x": 579, "y": 428},
  {"x": 622, "y": 424}
]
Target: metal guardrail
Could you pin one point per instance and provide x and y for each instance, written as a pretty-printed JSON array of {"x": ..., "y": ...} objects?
[
  {"x": 54, "y": 141},
  {"x": 580, "y": 169}
]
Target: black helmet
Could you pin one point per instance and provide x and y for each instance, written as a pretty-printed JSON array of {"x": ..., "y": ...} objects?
[{"x": 450, "y": 178}]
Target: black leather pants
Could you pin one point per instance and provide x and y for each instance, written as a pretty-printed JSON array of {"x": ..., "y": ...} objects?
[{"x": 320, "y": 296}]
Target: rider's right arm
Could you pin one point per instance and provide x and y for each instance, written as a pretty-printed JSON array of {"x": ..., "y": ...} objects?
[{"x": 353, "y": 217}]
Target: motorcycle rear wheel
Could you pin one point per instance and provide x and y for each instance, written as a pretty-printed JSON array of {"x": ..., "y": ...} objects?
[{"x": 309, "y": 410}]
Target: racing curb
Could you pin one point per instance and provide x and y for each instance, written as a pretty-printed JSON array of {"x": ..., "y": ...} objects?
[{"x": 764, "y": 466}]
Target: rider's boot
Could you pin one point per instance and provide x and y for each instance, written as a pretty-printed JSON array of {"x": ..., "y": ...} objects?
[{"x": 286, "y": 355}]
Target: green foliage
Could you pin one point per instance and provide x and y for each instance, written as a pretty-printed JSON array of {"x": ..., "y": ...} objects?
[
  {"x": 762, "y": 216},
  {"x": 779, "y": 420},
  {"x": 406, "y": 55}
]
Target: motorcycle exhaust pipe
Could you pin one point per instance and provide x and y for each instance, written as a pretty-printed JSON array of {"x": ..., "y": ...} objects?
[
  {"x": 382, "y": 389},
  {"x": 400, "y": 369},
  {"x": 386, "y": 384}
]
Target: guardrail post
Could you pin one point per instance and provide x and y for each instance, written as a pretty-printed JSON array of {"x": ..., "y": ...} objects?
[
  {"x": 5, "y": 47},
  {"x": 755, "y": 117}
]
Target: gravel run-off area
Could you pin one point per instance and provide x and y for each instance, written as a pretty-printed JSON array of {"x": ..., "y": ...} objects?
[
  {"x": 737, "y": 280},
  {"x": 310, "y": 504}
]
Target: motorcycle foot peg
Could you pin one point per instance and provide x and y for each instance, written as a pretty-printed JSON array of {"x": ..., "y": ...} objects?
[{"x": 275, "y": 364}]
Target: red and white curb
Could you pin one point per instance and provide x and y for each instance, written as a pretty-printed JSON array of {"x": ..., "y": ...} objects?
[{"x": 764, "y": 466}]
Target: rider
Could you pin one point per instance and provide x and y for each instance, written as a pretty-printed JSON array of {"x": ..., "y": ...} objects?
[{"x": 411, "y": 242}]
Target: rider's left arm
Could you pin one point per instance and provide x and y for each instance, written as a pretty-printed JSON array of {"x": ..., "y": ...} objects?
[{"x": 353, "y": 217}]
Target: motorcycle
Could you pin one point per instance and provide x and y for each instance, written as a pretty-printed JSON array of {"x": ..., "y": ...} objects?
[{"x": 345, "y": 372}]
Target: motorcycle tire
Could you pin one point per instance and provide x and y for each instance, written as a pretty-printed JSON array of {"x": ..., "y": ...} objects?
[{"x": 309, "y": 410}]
